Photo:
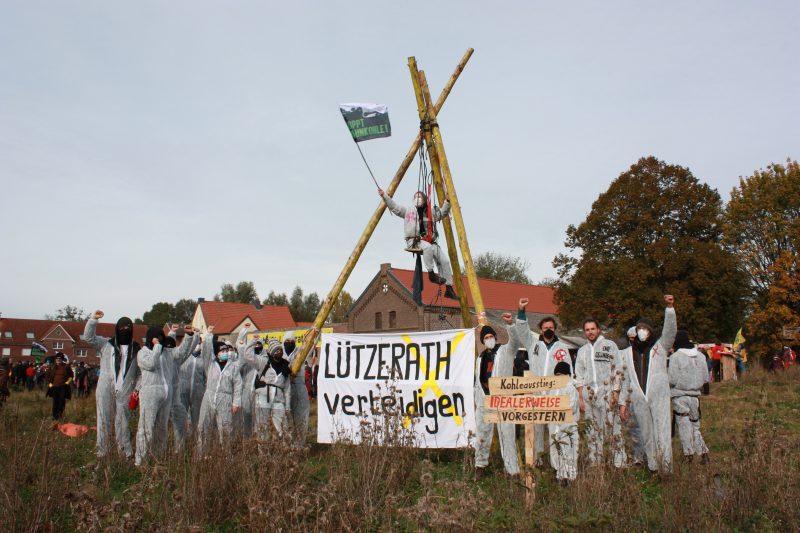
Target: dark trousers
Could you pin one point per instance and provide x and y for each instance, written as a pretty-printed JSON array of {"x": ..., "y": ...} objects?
[{"x": 59, "y": 400}]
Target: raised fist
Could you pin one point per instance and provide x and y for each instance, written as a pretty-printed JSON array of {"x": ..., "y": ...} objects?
[
  {"x": 669, "y": 299},
  {"x": 97, "y": 315},
  {"x": 523, "y": 303},
  {"x": 380, "y": 192},
  {"x": 155, "y": 342},
  {"x": 173, "y": 328},
  {"x": 189, "y": 329},
  {"x": 507, "y": 318}
]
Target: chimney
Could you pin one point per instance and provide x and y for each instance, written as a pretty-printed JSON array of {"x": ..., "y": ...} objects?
[
  {"x": 201, "y": 300},
  {"x": 258, "y": 305}
]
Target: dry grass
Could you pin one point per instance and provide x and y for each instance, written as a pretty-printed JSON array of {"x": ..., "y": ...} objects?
[{"x": 51, "y": 482}]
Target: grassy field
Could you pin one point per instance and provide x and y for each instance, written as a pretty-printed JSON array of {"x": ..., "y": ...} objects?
[{"x": 52, "y": 482}]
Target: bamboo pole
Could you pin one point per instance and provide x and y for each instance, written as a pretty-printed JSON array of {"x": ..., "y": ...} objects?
[
  {"x": 458, "y": 283},
  {"x": 469, "y": 266},
  {"x": 311, "y": 337},
  {"x": 530, "y": 460}
]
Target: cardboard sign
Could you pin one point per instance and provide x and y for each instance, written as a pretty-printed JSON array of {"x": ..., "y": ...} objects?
[
  {"x": 279, "y": 335},
  {"x": 527, "y": 403},
  {"x": 506, "y": 386},
  {"x": 529, "y": 417}
]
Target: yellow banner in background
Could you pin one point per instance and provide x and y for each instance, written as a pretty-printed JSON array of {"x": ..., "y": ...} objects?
[{"x": 279, "y": 335}]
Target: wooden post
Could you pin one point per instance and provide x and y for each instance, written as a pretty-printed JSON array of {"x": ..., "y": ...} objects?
[
  {"x": 530, "y": 460},
  {"x": 458, "y": 283},
  {"x": 472, "y": 277},
  {"x": 311, "y": 337}
]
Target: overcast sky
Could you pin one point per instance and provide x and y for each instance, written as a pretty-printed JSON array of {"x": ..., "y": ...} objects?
[{"x": 151, "y": 151}]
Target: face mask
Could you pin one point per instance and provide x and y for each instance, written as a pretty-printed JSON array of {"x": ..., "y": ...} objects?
[
  {"x": 259, "y": 349},
  {"x": 419, "y": 202},
  {"x": 223, "y": 356},
  {"x": 643, "y": 334},
  {"x": 548, "y": 334},
  {"x": 490, "y": 343},
  {"x": 288, "y": 347}
]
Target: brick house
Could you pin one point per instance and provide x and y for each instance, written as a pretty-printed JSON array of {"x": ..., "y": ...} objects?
[
  {"x": 387, "y": 304},
  {"x": 229, "y": 318},
  {"x": 18, "y": 334}
]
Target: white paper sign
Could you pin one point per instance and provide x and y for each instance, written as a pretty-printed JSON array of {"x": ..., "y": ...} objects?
[{"x": 374, "y": 387}]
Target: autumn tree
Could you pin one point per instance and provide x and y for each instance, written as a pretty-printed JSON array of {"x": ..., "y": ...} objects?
[
  {"x": 491, "y": 265},
  {"x": 340, "y": 308},
  {"x": 276, "y": 299},
  {"x": 763, "y": 229},
  {"x": 656, "y": 230}
]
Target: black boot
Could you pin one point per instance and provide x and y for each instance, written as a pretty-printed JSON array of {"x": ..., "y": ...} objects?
[
  {"x": 450, "y": 293},
  {"x": 435, "y": 278}
]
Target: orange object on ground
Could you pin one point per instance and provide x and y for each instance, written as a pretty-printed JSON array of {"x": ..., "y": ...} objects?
[{"x": 74, "y": 430}]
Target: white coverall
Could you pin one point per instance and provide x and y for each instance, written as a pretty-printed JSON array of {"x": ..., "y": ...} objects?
[
  {"x": 271, "y": 401},
  {"x": 113, "y": 391},
  {"x": 431, "y": 252},
  {"x": 641, "y": 421},
  {"x": 657, "y": 394},
  {"x": 192, "y": 387},
  {"x": 598, "y": 369},
  {"x": 541, "y": 361},
  {"x": 243, "y": 420},
  {"x": 223, "y": 391},
  {"x": 299, "y": 404},
  {"x": 156, "y": 394},
  {"x": 503, "y": 366},
  {"x": 564, "y": 438},
  {"x": 687, "y": 375}
]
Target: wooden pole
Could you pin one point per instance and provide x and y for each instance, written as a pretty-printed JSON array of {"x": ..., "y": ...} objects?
[
  {"x": 458, "y": 283},
  {"x": 472, "y": 277},
  {"x": 311, "y": 337},
  {"x": 530, "y": 451}
]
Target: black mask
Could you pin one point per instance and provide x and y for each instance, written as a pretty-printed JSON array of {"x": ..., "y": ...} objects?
[
  {"x": 123, "y": 334},
  {"x": 259, "y": 348},
  {"x": 154, "y": 333},
  {"x": 548, "y": 334},
  {"x": 288, "y": 347}
]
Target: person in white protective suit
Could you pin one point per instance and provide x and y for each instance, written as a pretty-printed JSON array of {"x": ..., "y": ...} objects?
[
  {"x": 192, "y": 387},
  {"x": 687, "y": 375},
  {"x": 564, "y": 437},
  {"x": 299, "y": 403},
  {"x": 649, "y": 354},
  {"x": 177, "y": 413},
  {"x": 223, "y": 396},
  {"x": 636, "y": 413},
  {"x": 243, "y": 422},
  {"x": 598, "y": 378},
  {"x": 496, "y": 360},
  {"x": 115, "y": 384},
  {"x": 272, "y": 387},
  {"x": 544, "y": 354},
  {"x": 419, "y": 230},
  {"x": 156, "y": 393}
]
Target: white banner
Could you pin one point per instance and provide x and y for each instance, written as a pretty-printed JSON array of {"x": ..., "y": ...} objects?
[{"x": 404, "y": 388}]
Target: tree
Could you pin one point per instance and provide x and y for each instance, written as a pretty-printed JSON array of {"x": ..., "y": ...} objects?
[
  {"x": 311, "y": 306},
  {"x": 656, "y": 230},
  {"x": 69, "y": 313},
  {"x": 763, "y": 229},
  {"x": 158, "y": 315},
  {"x": 183, "y": 311},
  {"x": 501, "y": 267},
  {"x": 276, "y": 299},
  {"x": 244, "y": 293},
  {"x": 340, "y": 308}
]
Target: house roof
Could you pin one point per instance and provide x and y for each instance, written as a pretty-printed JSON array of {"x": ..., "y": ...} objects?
[
  {"x": 225, "y": 316},
  {"x": 501, "y": 295},
  {"x": 20, "y": 327}
]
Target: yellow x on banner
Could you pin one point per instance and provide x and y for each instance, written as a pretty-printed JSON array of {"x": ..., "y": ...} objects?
[{"x": 430, "y": 383}]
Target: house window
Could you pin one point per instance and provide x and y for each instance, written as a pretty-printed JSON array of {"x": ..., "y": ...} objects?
[
  {"x": 8, "y": 335},
  {"x": 58, "y": 345},
  {"x": 81, "y": 352},
  {"x": 29, "y": 335},
  {"x": 6, "y": 351},
  {"x": 392, "y": 319},
  {"x": 26, "y": 351},
  {"x": 378, "y": 320}
]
